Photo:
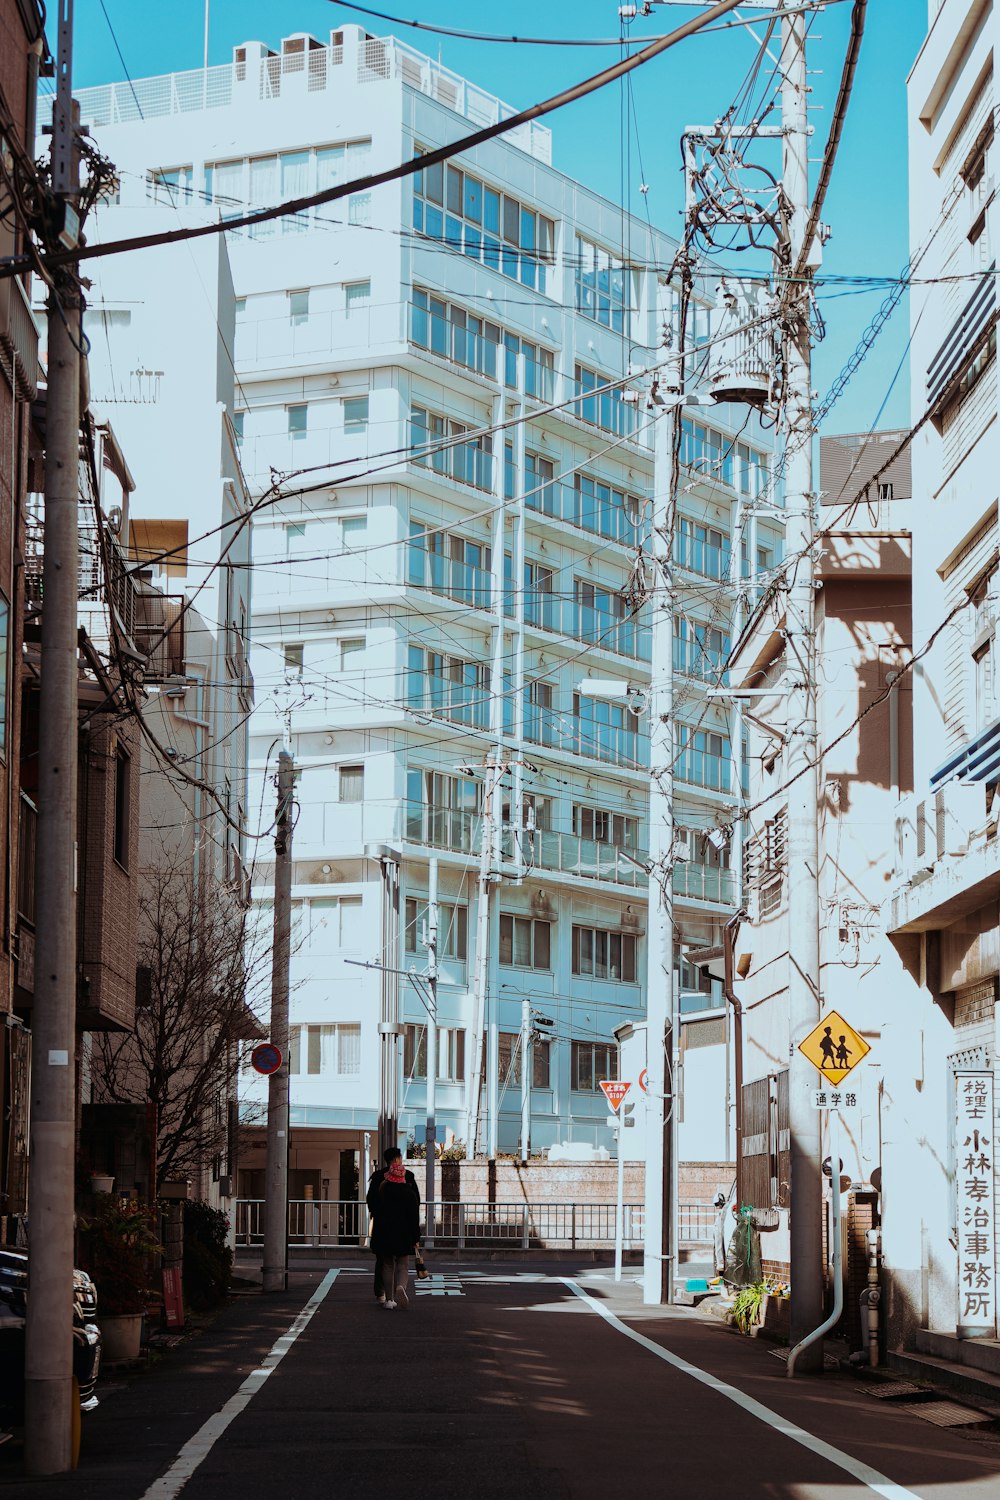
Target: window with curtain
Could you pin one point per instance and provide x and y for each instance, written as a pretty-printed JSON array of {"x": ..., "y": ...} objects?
[
  {"x": 351, "y": 783},
  {"x": 525, "y": 943},
  {"x": 317, "y": 1050}
]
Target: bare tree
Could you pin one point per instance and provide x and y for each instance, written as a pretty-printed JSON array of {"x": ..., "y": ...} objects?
[{"x": 201, "y": 980}]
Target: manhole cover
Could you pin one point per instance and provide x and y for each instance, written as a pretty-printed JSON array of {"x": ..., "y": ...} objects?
[
  {"x": 946, "y": 1413},
  {"x": 887, "y": 1389}
]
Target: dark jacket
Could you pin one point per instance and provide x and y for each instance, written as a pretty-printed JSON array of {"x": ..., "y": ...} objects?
[
  {"x": 375, "y": 1182},
  {"x": 397, "y": 1218}
]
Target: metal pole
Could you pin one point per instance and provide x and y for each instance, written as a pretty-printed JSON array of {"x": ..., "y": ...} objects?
[
  {"x": 430, "y": 1134},
  {"x": 48, "y": 1367},
  {"x": 492, "y": 1089},
  {"x": 657, "y": 1275},
  {"x": 619, "y": 1129},
  {"x": 525, "y": 1081},
  {"x": 811, "y": 1344},
  {"x": 494, "y": 772},
  {"x": 801, "y": 769},
  {"x": 388, "y": 1030},
  {"x": 275, "y": 1270}
]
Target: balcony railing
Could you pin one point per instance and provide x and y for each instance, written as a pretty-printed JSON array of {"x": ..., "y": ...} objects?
[
  {"x": 594, "y": 510},
  {"x": 442, "y": 828},
  {"x": 105, "y": 575},
  {"x": 613, "y": 743},
  {"x": 624, "y": 636},
  {"x": 704, "y": 883},
  {"x": 19, "y": 337},
  {"x": 569, "y": 854},
  {"x": 702, "y": 557},
  {"x": 159, "y": 634}
]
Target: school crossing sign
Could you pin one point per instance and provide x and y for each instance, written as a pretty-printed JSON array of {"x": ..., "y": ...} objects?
[{"x": 834, "y": 1048}]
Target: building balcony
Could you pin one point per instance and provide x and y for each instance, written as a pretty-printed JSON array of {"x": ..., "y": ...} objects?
[
  {"x": 317, "y": 339},
  {"x": 947, "y": 857},
  {"x": 19, "y": 337},
  {"x": 569, "y": 854},
  {"x": 697, "y": 882}
]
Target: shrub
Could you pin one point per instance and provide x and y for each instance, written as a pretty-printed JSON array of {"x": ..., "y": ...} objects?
[
  {"x": 208, "y": 1260},
  {"x": 117, "y": 1243},
  {"x": 747, "y": 1305}
]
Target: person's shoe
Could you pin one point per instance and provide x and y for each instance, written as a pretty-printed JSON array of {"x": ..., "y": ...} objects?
[
  {"x": 389, "y": 1306},
  {"x": 380, "y": 1298},
  {"x": 402, "y": 1300}
]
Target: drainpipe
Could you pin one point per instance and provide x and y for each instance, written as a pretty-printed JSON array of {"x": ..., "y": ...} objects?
[{"x": 729, "y": 935}]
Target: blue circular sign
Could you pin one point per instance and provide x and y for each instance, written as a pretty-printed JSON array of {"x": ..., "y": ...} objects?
[{"x": 266, "y": 1058}]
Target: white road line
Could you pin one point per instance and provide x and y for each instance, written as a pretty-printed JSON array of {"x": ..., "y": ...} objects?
[
  {"x": 197, "y": 1449},
  {"x": 878, "y": 1483}
]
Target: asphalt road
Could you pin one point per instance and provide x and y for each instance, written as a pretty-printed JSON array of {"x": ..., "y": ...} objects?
[{"x": 493, "y": 1384}]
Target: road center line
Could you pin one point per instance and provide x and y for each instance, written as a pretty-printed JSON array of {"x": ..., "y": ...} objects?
[
  {"x": 879, "y": 1483},
  {"x": 197, "y": 1449}
]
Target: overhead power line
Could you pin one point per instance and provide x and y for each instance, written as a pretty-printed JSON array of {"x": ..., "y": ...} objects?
[{"x": 19, "y": 264}]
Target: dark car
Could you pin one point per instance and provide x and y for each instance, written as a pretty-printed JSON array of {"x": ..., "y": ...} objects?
[{"x": 13, "y": 1309}]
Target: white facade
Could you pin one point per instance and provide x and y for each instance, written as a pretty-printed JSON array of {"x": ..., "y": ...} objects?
[
  {"x": 944, "y": 910},
  {"x": 452, "y": 562},
  {"x": 160, "y": 332}
]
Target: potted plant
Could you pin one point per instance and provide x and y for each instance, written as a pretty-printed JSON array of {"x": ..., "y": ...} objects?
[{"x": 117, "y": 1241}]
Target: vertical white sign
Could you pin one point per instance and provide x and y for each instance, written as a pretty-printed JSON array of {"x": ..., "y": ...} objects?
[{"x": 974, "y": 1178}]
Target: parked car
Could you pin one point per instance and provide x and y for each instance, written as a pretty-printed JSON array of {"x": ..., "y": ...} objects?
[{"x": 85, "y": 1333}]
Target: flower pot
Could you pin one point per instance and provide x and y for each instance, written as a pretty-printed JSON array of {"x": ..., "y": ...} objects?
[
  {"x": 121, "y": 1336},
  {"x": 101, "y": 1183}
]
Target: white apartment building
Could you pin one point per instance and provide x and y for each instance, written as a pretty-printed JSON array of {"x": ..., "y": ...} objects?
[
  {"x": 435, "y": 376},
  {"x": 944, "y": 908},
  {"x": 160, "y": 331}
]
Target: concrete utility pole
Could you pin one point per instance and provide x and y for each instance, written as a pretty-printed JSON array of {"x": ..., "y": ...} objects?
[
  {"x": 487, "y": 862},
  {"x": 800, "y": 764},
  {"x": 660, "y": 1199},
  {"x": 48, "y": 1366},
  {"x": 275, "y": 1269},
  {"x": 525, "y": 1080},
  {"x": 430, "y": 1135}
]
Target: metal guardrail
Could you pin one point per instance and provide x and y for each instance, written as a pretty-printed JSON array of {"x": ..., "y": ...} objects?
[{"x": 524, "y": 1226}]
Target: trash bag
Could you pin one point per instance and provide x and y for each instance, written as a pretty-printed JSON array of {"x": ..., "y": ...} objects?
[{"x": 743, "y": 1266}]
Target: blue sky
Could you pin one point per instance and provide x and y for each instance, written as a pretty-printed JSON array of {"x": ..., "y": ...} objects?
[{"x": 692, "y": 84}]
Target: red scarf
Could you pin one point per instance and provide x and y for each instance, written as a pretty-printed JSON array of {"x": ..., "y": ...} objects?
[{"x": 396, "y": 1172}]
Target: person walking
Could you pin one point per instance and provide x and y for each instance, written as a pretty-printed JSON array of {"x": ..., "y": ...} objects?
[
  {"x": 397, "y": 1229},
  {"x": 389, "y": 1155}
]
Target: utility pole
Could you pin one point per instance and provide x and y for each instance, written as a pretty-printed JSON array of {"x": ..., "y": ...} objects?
[
  {"x": 275, "y": 1269},
  {"x": 48, "y": 1369},
  {"x": 801, "y": 768},
  {"x": 494, "y": 775},
  {"x": 660, "y": 1201},
  {"x": 430, "y": 1135},
  {"x": 525, "y": 1081}
]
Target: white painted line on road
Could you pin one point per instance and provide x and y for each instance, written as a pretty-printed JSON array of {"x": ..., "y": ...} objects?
[
  {"x": 878, "y": 1483},
  {"x": 197, "y": 1449}
]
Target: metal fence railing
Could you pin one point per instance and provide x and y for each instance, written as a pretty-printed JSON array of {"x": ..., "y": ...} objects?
[{"x": 524, "y": 1226}]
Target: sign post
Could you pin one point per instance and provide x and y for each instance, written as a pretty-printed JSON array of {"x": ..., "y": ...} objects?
[
  {"x": 834, "y": 1048},
  {"x": 614, "y": 1091}
]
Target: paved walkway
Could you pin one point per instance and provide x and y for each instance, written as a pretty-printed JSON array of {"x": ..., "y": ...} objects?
[{"x": 497, "y": 1382}]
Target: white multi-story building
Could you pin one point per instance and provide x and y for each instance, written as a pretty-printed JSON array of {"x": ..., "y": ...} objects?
[
  {"x": 944, "y": 911},
  {"x": 433, "y": 377}
]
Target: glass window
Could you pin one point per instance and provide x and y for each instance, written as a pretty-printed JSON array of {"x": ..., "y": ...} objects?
[
  {"x": 524, "y": 942},
  {"x": 294, "y": 660},
  {"x": 601, "y": 954},
  {"x": 298, "y": 308},
  {"x": 352, "y": 783},
  {"x": 238, "y": 417},
  {"x": 357, "y": 295},
  {"x": 298, "y": 418},
  {"x": 348, "y": 649},
  {"x": 590, "y": 1064},
  {"x": 123, "y": 809},
  {"x": 352, "y": 529},
  {"x": 355, "y": 413}
]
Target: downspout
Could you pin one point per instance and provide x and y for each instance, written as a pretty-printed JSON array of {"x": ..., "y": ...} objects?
[{"x": 729, "y": 934}]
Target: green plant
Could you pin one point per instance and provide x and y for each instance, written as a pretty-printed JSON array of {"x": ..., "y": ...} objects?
[
  {"x": 454, "y": 1152},
  {"x": 747, "y": 1304},
  {"x": 208, "y": 1259},
  {"x": 117, "y": 1244}
]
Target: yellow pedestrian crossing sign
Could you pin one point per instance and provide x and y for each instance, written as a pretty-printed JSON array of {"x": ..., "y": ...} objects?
[{"x": 834, "y": 1047}]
